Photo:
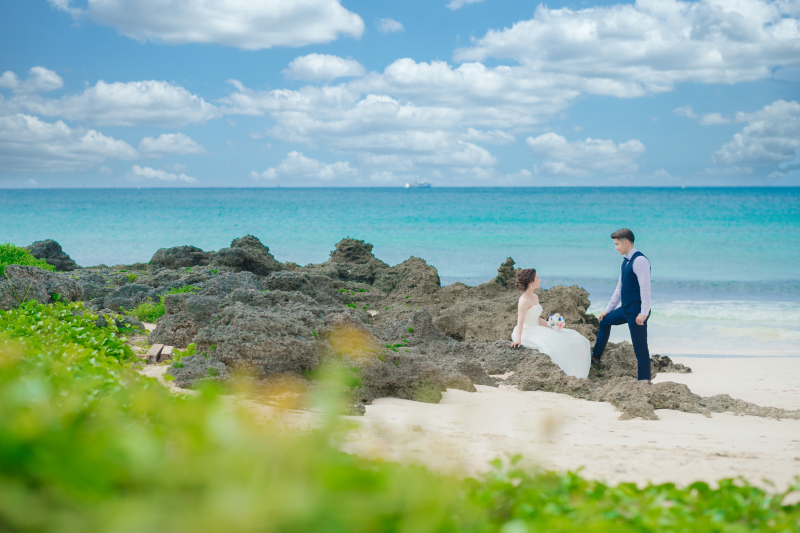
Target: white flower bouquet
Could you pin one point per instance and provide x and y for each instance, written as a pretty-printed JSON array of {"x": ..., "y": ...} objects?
[{"x": 556, "y": 321}]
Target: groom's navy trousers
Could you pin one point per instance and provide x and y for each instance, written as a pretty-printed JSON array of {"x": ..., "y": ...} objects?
[{"x": 618, "y": 317}]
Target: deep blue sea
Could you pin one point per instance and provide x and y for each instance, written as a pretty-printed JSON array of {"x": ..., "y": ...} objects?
[{"x": 724, "y": 261}]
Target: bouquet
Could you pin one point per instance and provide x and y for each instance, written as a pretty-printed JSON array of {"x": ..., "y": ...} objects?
[{"x": 556, "y": 321}]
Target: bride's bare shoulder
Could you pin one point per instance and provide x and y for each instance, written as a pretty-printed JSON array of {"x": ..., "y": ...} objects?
[{"x": 526, "y": 302}]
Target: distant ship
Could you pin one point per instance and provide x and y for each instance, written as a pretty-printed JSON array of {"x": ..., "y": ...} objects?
[{"x": 418, "y": 185}]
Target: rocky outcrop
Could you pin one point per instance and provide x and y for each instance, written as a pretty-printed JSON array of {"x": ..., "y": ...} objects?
[
  {"x": 180, "y": 257},
  {"x": 129, "y": 296},
  {"x": 381, "y": 330},
  {"x": 22, "y": 283},
  {"x": 52, "y": 253},
  {"x": 246, "y": 254}
]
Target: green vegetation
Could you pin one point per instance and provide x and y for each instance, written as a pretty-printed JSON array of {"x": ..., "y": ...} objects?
[
  {"x": 410, "y": 329},
  {"x": 131, "y": 277},
  {"x": 14, "y": 255},
  {"x": 151, "y": 311},
  {"x": 87, "y": 444}
]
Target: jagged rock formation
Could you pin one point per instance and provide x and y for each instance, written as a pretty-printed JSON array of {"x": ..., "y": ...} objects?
[
  {"x": 52, "y": 253},
  {"x": 180, "y": 257},
  {"x": 246, "y": 254},
  {"x": 386, "y": 330},
  {"x": 23, "y": 283}
]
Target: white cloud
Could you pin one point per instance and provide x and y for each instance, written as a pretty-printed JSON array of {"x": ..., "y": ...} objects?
[
  {"x": 648, "y": 47},
  {"x": 457, "y": 4},
  {"x": 727, "y": 171},
  {"x": 40, "y": 80},
  {"x": 175, "y": 167},
  {"x": 708, "y": 119},
  {"x": 152, "y": 103},
  {"x": 685, "y": 111},
  {"x": 322, "y": 67},
  {"x": 296, "y": 166},
  {"x": 251, "y": 25},
  {"x": 772, "y": 135},
  {"x": 713, "y": 119},
  {"x": 376, "y": 127},
  {"x": 106, "y": 171},
  {"x": 137, "y": 173},
  {"x": 29, "y": 144},
  {"x": 389, "y": 26},
  {"x": 581, "y": 158},
  {"x": 490, "y": 137},
  {"x": 170, "y": 143}
]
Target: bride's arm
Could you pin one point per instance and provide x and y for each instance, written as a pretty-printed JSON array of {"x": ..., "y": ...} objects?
[
  {"x": 543, "y": 322},
  {"x": 522, "y": 308}
]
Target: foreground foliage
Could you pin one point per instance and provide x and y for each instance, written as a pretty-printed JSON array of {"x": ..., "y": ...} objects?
[
  {"x": 14, "y": 255},
  {"x": 87, "y": 444}
]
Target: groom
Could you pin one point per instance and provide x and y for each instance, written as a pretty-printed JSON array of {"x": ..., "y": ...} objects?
[{"x": 633, "y": 290}]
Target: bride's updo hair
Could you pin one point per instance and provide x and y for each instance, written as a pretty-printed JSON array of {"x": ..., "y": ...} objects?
[{"x": 525, "y": 277}]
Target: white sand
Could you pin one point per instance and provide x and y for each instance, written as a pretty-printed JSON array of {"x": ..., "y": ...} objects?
[{"x": 466, "y": 430}]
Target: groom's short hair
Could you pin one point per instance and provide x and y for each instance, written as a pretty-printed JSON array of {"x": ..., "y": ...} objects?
[{"x": 623, "y": 233}]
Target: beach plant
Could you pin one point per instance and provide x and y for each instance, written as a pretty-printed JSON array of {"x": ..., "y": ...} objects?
[
  {"x": 150, "y": 311},
  {"x": 87, "y": 444},
  {"x": 15, "y": 255},
  {"x": 131, "y": 277}
]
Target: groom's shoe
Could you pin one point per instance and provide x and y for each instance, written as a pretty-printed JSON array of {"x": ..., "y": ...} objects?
[{"x": 595, "y": 361}]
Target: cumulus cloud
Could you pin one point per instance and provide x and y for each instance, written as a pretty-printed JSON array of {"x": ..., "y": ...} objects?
[
  {"x": 299, "y": 167},
  {"x": 151, "y": 103},
  {"x": 490, "y": 137},
  {"x": 381, "y": 129},
  {"x": 29, "y": 144},
  {"x": 685, "y": 111},
  {"x": 252, "y": 25},
  {"x": 40, "y": 80},
  {"x": 170, "y": 143},
  {"x": 457, "y": 4},
  {"x": 713, "y": 119},
  {"x": 322, "y": 67},
  {"x": 648, "y": 47},
  {"x": 389, "y": 26},
  {"x": 707, "y": 119},
  {"x": 772, "y": 135},
  {"x": 138, "y": 173},
  {"x": 582, "y": 158}
]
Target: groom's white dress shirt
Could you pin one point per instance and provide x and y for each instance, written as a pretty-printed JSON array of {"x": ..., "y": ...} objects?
[{"x": 641, "y": 267}]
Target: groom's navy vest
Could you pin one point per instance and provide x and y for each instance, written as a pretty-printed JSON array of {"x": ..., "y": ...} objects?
[{"x": 630, "y": 283}]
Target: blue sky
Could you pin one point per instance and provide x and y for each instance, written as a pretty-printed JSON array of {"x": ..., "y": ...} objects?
[{"x": 266, "y": 93}]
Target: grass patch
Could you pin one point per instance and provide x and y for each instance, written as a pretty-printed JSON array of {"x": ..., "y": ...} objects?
[
  {"x": 15, "y": 255},
  {"x": 151, "y": 311}
]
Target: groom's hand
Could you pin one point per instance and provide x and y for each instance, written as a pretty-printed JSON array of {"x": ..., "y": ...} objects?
[
  {"x": 602, "y": 315},
  {"x": 640, "y": 319}
]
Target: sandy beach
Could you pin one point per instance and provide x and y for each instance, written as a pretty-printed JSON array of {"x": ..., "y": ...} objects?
[{"x": 554, "y": 431}]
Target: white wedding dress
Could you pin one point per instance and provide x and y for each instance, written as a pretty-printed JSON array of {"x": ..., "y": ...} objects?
[{"x": 567, "y": 348}]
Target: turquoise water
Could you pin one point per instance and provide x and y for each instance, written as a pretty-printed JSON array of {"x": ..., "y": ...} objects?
[{"x": 705, "y": 245}]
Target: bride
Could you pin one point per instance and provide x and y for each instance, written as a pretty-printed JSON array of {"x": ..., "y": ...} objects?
[{"x": 567, "y": 348}]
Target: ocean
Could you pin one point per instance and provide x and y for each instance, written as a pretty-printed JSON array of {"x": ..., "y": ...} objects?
[{"x": 725, "y": 261}]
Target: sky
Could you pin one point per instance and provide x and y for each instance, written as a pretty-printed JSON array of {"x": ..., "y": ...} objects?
[{"x": 359, "y": 93}]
